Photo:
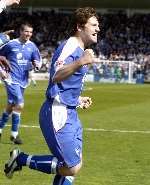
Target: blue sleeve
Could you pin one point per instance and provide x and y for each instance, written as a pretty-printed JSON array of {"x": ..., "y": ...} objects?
[
  {"x": 36, "y": 54},
  {"x": 4, "y": 50}
]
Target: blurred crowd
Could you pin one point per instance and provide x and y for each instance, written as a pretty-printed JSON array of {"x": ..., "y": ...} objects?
[
  {"x": 125, "y": 38},
  {"x": 122, "y": 37}
]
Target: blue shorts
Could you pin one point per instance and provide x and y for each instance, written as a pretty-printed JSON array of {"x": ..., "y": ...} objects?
[
  {"x": 15, "y": 93},
  {"x": 62, "y": 131}
]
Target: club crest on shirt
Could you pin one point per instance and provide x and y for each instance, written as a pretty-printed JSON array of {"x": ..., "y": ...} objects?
[
  {"x": 15, "y": 49},
  {"x": 29, "y": 49},
  {"x": 59, "y": 64},
  {"x": 19, "y": 56}
]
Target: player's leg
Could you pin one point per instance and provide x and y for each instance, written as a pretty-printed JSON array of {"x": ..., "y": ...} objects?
[
  {"x": 33, "y": 81},
  {"x": 63, "y": 180},
  {"x": 67, "y": 138},
  {"x": 44, "y": 163},
  {"x": 18, "y": 100},
  {"x": 65, "y": 165},
  {"x": 65, "y": 145},
  {"x": 66, "y": 175},
  {"x": 31, "y": 78},
  {"x": 5, "y": 117},
  {"x": 6, "y": 114},
  {"x": 16, "y": 117}
]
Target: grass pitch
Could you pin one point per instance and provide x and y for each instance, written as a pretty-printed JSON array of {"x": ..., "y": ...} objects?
[{"x": 116, "y": 136}]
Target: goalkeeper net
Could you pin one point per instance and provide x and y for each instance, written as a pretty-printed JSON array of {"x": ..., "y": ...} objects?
[{"x": 113, "y": 71}]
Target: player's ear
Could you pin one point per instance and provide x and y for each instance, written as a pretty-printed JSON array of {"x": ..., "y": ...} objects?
[{"x": 79, "y": 27}]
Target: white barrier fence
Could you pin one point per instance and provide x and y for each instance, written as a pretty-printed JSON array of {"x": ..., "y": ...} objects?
[{"x": 105, "y": 71}]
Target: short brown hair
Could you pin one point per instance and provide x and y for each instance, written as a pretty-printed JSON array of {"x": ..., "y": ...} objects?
[
  {"x": 80, "y": 17},
  {"x": 25, "y": 24}
]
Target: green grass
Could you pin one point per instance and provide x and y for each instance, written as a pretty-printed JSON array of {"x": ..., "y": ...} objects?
[{"x": 110, "y": 157}]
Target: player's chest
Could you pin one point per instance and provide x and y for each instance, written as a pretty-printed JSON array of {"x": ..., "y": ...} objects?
[{"x": 19, "y": 52}]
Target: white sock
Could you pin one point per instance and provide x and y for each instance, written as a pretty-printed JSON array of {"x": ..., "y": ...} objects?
[
  {"x": 29, "y": 160},
  {"x": 14, "y": 134}
]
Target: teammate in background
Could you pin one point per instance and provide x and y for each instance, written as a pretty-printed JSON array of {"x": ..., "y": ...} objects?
[
  {"x": 59, "y": 121},
  {"x": 22, "y": 54},
  {"x": 5, "y": 3}
]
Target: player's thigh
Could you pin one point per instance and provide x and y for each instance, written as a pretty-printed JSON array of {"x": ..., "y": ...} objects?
[
  {"x": 70, "y": 140},
  {"x": 65, "y": 143},
  {"x": 14, "y": 93},
  {"x": 45, "y": 120}
]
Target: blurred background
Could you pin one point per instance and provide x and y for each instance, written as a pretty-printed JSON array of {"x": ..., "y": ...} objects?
[
  {"x": 123, "y": 46},
  {"x": 116, "y": 127}
]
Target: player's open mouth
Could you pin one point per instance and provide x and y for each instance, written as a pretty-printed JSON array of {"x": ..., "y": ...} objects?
[{"x": 94, "y": 34}]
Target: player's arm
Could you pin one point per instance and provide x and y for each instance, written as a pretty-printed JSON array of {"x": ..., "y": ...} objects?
[
  {"x": 4, "y": 64},
  {"x": 11, "y": 2},
  {"x": 36, "y": 65},
  {"x": 4, "y": 39},
  {"x": 4, "y": 68},
  {"x": 67, "y": 70},
  {"x": 5, "y": 3},
  {"x": 36, "y": 60},
  {"x": 3, "y": 74}
]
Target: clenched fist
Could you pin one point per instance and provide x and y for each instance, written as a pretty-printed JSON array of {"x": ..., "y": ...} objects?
[
  {"x": 84, "y": 102},
  {"x": 87, "y": 57}
]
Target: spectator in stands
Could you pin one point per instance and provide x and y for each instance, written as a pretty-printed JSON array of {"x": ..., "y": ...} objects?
[
  {"x": 128, "y": 35},
  {"x": 21, "y": 54},
  {"x": 59, "y": 121}
]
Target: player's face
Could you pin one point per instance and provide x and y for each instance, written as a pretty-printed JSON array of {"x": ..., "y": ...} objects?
[
  {"x": 26, "y": 33},
  {"x": 90, "y": 31}
]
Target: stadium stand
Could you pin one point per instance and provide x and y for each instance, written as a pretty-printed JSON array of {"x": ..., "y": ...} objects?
[{"x": 123, "y": 36}]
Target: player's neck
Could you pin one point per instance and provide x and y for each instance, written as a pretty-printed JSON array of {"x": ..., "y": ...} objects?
[
  {"x": 81, "y": 43},
  {"x": 22, "y": 40}
]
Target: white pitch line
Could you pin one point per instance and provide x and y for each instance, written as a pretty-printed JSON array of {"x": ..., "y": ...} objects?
[
  {"x": 98, "y": 129},
  {"x": 119, "y": 131}
]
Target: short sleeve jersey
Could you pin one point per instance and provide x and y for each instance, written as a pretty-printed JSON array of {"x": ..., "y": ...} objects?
[
  {"x": 69, "y": 89},
  {"x": 20, "y": 56}
]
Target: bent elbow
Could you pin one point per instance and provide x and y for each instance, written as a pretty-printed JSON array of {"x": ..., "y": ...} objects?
[{"x": 56, "y": 79}]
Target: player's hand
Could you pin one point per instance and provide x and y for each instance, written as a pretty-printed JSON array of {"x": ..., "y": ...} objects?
[
  {"x": 8, "y": 32},
  {"x": 11, "y": 2},
  {"x": 84, "y": 102},
  {"x": 3, "y": 75},
  {"x": 5, "y": 64},
  {"x": 87, "y": 57},
  {"x": 36, "y": 66}
]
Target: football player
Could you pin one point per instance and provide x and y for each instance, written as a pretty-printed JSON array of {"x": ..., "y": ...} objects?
[
  {"x": 58, "y": 117},
  {"x": 22, "y": 54}
]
